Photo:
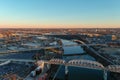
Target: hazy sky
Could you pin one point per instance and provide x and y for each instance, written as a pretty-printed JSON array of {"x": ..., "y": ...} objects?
[{"x": 59, "y": 13}]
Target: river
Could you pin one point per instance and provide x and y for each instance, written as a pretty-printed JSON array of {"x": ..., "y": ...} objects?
[{"x": 77, "y": 73}]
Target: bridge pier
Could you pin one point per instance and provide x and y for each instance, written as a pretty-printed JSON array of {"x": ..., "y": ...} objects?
[
  {"x": 105, "y": 75},
  {"x": 42, "y": 66},
  {"x": 66, "y": 72},
  {"x": 48, "y": 66}
]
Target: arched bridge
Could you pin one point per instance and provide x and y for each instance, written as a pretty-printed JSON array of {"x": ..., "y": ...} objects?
[
  {"x": 113, "y": 68},
  {"x": 57, "y": 61},
  {"x": 77, "y": 63},
  {"x": 86, "y": 64}
]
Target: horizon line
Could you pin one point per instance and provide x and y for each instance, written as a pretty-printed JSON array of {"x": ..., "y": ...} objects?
[{"x": 62, "y": 28}]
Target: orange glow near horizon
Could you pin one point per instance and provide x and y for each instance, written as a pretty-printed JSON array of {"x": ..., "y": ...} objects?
[
  {"x": 59, "y": 14},
  {"x": 59, "y": 26}
]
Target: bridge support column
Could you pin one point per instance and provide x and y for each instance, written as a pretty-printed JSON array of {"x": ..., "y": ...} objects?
[
  {"x": 66, "y": 72},
  {"x": 104, "y": 74},
  {"x": 43, "y": 66},
  {"x": 48, "y": 66}
]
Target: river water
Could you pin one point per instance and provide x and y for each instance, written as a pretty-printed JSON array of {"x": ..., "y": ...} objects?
[{"x": 77, "y": 73}]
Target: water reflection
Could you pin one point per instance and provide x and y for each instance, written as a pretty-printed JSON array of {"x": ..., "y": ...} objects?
[{"x": 77, "y": 73}]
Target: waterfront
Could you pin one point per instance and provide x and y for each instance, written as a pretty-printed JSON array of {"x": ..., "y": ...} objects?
[{"x": 77, "y": 73}]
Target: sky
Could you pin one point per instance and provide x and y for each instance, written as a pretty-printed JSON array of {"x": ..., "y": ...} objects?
[{"x": 59, "y": 13}]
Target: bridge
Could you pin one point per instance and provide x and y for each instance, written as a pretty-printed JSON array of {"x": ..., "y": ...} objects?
[
  {"x": 96, "y": 53},
  {"x": 18, "y": 60},
  {"x": 113, "y": 68},
  {"x": 4, "y": 63},
  {"x": 47, "y": 47},
  {"x": 83, "y": 64},
  {"x": 76, "y": 63},
  {"x": 86, "y": 64}
]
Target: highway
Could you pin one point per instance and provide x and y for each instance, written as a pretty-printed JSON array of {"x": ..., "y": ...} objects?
[
  {"x": 18, "y": 60},
  {"x": 45, "y": 47}
]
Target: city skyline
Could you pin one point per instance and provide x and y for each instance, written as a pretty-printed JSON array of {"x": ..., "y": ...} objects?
[{"x": 59, "y": 14}]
